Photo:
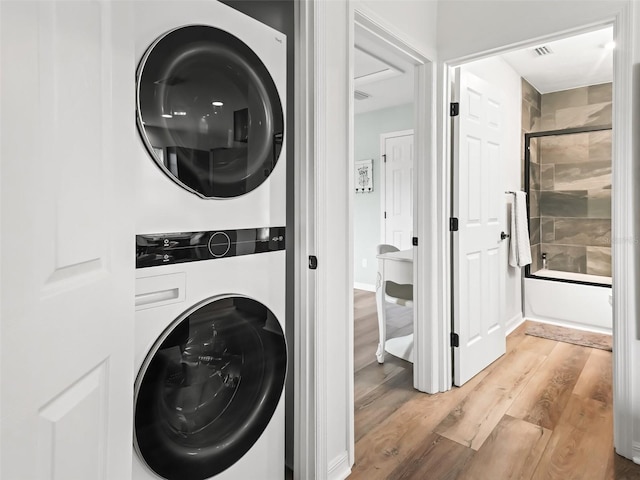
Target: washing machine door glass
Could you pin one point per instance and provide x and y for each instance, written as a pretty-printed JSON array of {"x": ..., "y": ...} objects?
[
  {"x": 209, "y": 112},
  {"x": 208, "y": 388}
]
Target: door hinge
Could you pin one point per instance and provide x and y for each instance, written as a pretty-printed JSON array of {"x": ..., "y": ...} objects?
[
  {"x": 414, "y": 241},
  {"x": 455, "y": 339},
  {"x": 454, "y": 109},
  {"x": 384, "y": 158},
  {"x": 385, "y": 214},
  {"x": 313, "y": 262},
  {"x": 453, "y": 224}
]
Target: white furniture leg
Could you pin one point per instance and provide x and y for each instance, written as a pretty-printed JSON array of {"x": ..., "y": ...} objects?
[{"x": 382, "y": 325}]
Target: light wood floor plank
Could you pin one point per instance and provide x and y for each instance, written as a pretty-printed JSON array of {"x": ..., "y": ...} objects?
[
  {"x": 382, "y": 402},
  {"x": 539, "y": 345},
  {"x": 566, "y": 387},
  {"x": 517, "y": 444},
  {"x": 544, "y": 398},
  {"x": 397, "y": 437},
  {"x": 580, "y": 446},
  {"x": 438, "y": 458},
  {"x": 473, "y": 420},
  {"x": 373, "y": 375},
  {"x": 595, "y": 380}
]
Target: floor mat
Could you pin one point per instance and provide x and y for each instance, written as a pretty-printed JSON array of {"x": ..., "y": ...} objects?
[{"x": 569, "y": 335}]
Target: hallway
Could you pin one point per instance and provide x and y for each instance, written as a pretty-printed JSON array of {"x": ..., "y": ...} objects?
[{"x": 542, "y": 411}]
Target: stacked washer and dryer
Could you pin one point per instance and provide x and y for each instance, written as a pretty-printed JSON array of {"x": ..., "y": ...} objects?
[{"x": 211, "y": 354}]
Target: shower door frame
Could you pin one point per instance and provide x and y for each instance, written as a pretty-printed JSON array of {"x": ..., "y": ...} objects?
[{"x": 527, "y": 184}]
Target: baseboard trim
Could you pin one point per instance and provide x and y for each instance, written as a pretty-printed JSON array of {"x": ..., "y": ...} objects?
[
  {"x": 364, "y": 286},
  {"x": 635, "y": 452},
  {"x": 514, "y": 322},
  {"x": 339, "y": 468}
]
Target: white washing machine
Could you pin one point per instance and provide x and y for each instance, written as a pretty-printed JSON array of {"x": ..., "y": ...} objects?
[
  {"x": 210, "y": 110},
  {"x": 211, "y": 355}
]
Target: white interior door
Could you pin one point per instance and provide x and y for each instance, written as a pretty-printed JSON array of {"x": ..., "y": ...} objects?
[
  {"x": 397, "y": 152},
  {"x": 477, "y": 203},
  {"x": 67, "y": 249}
]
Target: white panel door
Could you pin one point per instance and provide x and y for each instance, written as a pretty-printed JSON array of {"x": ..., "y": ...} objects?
[
  {"x": 477, "y": 203},
  {"x": 397, "y": 152},
  {"x": 67, "y": 251}
]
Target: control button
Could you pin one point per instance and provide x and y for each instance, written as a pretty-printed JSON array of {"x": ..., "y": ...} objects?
[{"x": 219, "y": 244}]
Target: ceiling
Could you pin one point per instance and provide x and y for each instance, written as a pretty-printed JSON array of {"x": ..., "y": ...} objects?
[
  {"x": 573, "y": 62},
  {"x": 380, "y": 73}
]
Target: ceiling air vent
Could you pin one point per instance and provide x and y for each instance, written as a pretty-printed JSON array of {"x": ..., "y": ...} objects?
[
  {"x": 544, "y": 50},
  {"x": 359, "y": 95}
]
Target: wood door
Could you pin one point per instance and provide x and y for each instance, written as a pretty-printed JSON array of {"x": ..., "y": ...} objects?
[
  {"x": 68, "y": 135},
  {"x": 477, "y": 202},
  {"x": 397, "y": 152}
]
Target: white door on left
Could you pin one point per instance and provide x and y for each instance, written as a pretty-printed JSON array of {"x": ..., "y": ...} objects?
[{"x": 67, "y": 256}]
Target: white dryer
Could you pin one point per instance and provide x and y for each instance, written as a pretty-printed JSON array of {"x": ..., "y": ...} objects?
[
  {"x": 211, "y": 355},
  {"x": 210, "y": 110}
]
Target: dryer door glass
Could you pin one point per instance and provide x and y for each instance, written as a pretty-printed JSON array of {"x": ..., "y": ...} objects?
[
  {"x": 208, "y": 388},
  {"x": 209, "y": 112}
]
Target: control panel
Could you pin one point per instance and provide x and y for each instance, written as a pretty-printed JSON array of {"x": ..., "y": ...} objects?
[{"x": 167, "y": 248}]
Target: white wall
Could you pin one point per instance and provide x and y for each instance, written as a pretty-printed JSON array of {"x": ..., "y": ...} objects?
[
  {"x": 414, "y": 22},
  {"x": 467, "y": 28},
  {"x": 634, "y": 328},
  {"x": 366, "y": 206},
  {"x": 500, "y": 74}
]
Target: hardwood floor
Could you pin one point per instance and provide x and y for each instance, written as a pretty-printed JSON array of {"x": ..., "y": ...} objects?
[{"x": 541, "y": 411}]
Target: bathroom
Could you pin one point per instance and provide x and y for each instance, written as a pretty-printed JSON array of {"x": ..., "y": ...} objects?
[{"x": 564, "y": 166}]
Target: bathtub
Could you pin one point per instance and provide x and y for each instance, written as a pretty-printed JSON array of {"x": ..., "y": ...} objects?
[{"x": 575, "y": 305}]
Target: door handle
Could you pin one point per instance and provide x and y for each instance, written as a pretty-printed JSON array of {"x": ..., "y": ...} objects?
[{"x": 503, "y": 236}]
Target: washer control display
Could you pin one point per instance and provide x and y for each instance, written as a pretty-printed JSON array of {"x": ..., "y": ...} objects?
[{"x": 167, "y": 248}]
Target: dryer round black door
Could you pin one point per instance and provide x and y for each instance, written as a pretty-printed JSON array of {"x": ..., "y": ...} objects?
[
  {"x": 209, "y": 112},
  {"x": 208, "y": 388}
]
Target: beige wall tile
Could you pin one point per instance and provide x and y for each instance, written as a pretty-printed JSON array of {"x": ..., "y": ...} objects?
[
  {"x": 588, "y": 115},
  {"x": 600, "y": 93},
  {"x": 599, "y": 261},
  {"x": 576, "y": 97},
  {"x": 564, "y": 148}
]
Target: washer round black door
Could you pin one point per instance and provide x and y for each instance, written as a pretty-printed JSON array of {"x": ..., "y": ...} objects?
[
  {"x": 209, "y": 112},
  {"x": 208, "y": 388}
]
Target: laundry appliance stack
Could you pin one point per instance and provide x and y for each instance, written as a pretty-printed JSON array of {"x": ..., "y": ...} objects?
[{"x": 211, "y": 354}]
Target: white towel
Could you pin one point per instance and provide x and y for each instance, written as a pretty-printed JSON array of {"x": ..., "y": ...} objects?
[{"x": 519, "y": 246}]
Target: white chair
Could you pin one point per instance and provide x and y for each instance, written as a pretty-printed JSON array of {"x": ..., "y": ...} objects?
[{"x": 394, "y": 293}]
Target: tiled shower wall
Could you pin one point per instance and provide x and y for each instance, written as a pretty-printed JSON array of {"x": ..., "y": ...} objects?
[
  {"x": 570, "y": 181},
  {"x": 531, "y": 118}
]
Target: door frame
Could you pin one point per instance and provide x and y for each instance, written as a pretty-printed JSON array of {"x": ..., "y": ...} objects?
[
  {"x": 383, "y": 178},
  {"x": 624, "y": 305},
  {"x": 425, "y": 339}
]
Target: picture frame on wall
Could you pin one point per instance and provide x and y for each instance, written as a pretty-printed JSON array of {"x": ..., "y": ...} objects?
[{"x": 363, "y": 177}]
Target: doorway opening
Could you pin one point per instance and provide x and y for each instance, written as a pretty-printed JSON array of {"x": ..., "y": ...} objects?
[
  {"x": 400, "y": 369},
  {"x": 551, "y": 106},
  {"x": 383, "y": 220}
]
